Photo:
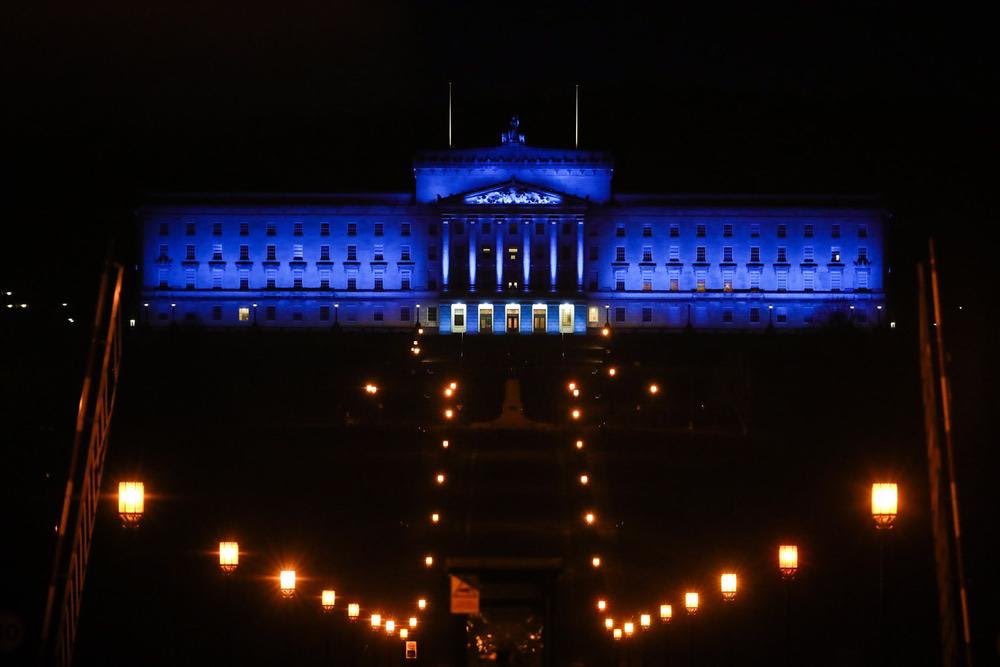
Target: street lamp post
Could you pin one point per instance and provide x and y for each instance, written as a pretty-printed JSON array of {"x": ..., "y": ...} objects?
[
  {"x": 691, "y": 600},
  {"x": 666, "y": 615},
  {"x": 788, "y": 566},
  {"x": 885, "y": 507},
  {"x": 229, "y": 556},
  {"x": 131, "y": 503}
]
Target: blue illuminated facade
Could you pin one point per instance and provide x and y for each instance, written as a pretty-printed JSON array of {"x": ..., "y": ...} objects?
[{"x": 510, "y": 239}]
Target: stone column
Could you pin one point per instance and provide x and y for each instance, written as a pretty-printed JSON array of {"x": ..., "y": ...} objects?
[
  {"x": 527, "y": 228},
  {"x": 579, "y": 254},
  {"x": 445, "y": 252},
  {"x": 471, "y": 235},
  {"x": 553, "y": 254},
  {"x": 499, "y": 249}
]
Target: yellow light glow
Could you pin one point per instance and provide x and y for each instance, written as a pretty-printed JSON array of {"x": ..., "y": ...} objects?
[
  {"x": 612, "y": 371},
  {"x": 448, "y": 391},
  {"x": 376, "y": 620},
  {"x": 429, "y": 561},
  {"x": 788, "y": 560},
  {"x": 415, "y": 351},
  {"x": 885, "y": 503},
  {"x": 390, "y": 627},
  {"x": 602, "y": 604},
  {"x": 575, "y": 413},
  {"x": 371, "y": 389},
  {"x": 404, "y": 633},
  {"x": 617, "y": 633},
  {"x": 421, "y": 604},
  {"x": 445, "y": 444},
  {"x": 229, "y": 556},
  {"x": 449, "y": 413},
  {"x": 571, "y": 386},
  {"x": 629, "y": 628},
  {"x": 412, "y": 622},
  {"x": 576, "y": 393},
  {"x": 328, "y": 598},
  {"x": 131, "y": 502},
  {"x": 606, "y": 331},
  {"x": 654, "y": 389},
  {"x": 286, "y": 581},
  {"x": 727, "y": 584},
  {"x": 453, "y": 386},
  {"x": 353, "y": 611},
  {"x": 691, "y": 601},
  {"x": 644, "y": 621},
  {"x": 584, "y": 479},
  {"x": 590, "y": 518},
  {"x": 579, "y": 444},
  {"x": 595, "y": 561},
  {"x": 435, "y": 517},
  {"x": 666, "y": 612},
  {"x": 439, "y": 478},
  {"x": 609, "y": 623}
]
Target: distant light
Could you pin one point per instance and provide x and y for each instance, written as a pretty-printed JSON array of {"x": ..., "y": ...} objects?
[
  {"x": 229, "y": 556},
  {"x": 617, "y": 633},
  {"x": 435, "y": 517},
  {"x": 453, "y": 386},
  {"x": 609, "y": 622},
  {"x": 576, "y": 393},
  {"x": 286, "y": 582},
  {"x": 691, "y": 602},
  {"x": 412, "y": 622},
  {"x": 448, "y": 391},
  {"x": 606, "y": 331},
  {"x": 145, "y": 305},
  {"x": 666, "y": 612},
  {"x": 590, "y": 518},
  {"x": 376, "y": 620},
  {"x": 420, "y": 331},
  {"x": 66, "y": 304},
  {"x": 892, "y": 325},
  {"x": 421, "y": 604},
  {"x": 353, "y": 611},
  {"x": 629, "y": 628},
  {"x": 449, "y": 413},
  {"x": 585, "y": 479},
  {"x": 654, "y": 389},
  {"x": 885, "y": 504},
  {"x": 445, "y": 444},
  {"x": 390, "y": 627},
  {"x": 579, "y": 444},
  {"x": 571, "y": 386},
  {"x": 371, "y": 389},
  {"x": 24, "y": 305},
  {"x": 71, "y": 321},
  {"x": 9, "y": 293},
  {"x": 602, "y": 604},
  {"x": 612, "y": 371},
  {"x": 727, "y": 584},
  {"x": 788, "y": 560},
  {"x": 428, "y": 561},
  {"x": 644, "y": 621},
  {"x": 404, "y": 633},
  {"x": 10, "y": 305},
  {"x": 131, "y": 322},
  {"x": 131, "y": 502},
  {"x": 575, "y": 413},
  {"x": 415, "y": 351},
  {"x": 328, "y": 599},
  {"x": 595, "y": 561},
  {"x": 878, "y": 307},
  {"x": 439, "y": 478}
]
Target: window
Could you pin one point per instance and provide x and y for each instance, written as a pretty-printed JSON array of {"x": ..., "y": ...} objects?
[
  {"x": 404, "y": 282},
  {"x": 700, "y": 255},
  {"x": 647, "y": 253},
  {"x": 539, "y": 228},
  {"x": 297, "y": 316},
  {"x": 647, "y": 282},
  {"x": 727, "y": 254},
  {"x": 862, "y": 231},
  {"x": 782, "y": 255},
  {"x": 404, "y": 253},
  {"x": 675, "y": 253},
  {"x": 835, "y": 254},
  {"x": 379, "y": 283},
  {"x": 700, "y": 231},
  {"x": 458, "y": 319},
  {"x": 594, "y": 252},
  {"x": 270, "y": 313},
  {"x": 862, "y": 255},
  {"x": 379, "y": 229},
  {"x": 808, "y": 254},
  {"x": 352, "y": 284},
  {"x": 297, "y": 252},
  {"x": 244, "y": 229},
  {"x": 216, "y": 313},
  {"x": 861, "y": 279},
  {"x": 271, "y": 229},
  {"x": 620, "y": 281},
  {"x": 324, "y": 253},
  {"x": 727, "y": 230},
  {"x": 352, "y": 229},
  {"x": 216, "y": 231},
  {"x": 432, "y": 314},
  {"x": 271, "y": 278},
  {"x": 404, "y": 314},
  {"x": 164, "y": 251},
  {"x": 432, "y": 253},
  {"x": 244, "y": 279},
  {"x": 620, "y": 253},
  {"x": 782, "y": 281},
  {"x": 727, "y": 316},
  {"x": 216, "y": 279},
  {"x": 324, "y": 313},
  {"x": 620, "y": 230},
  {"x": 297, "y": 279},
  {"x": 432, "y": 228},
  {"x": 675, "y": 231},
  {"x": 781, "y": 316},
  {"x": 675, "y": 281},
  {"x": 244, "y": 253},
  {"x": 404, "y": 229},
  {"x": 700, "y": 285},
  {"x": 619, "y": 314},
  {"x": 188, "y": 278},
  {"x": 244, "y": 314},
  {"x": 647, "y": 230},
  {"x": 727, "y": 281},
  {"x": 755, "y": 314},
  {"x": 324, "y": 230},
  {"x": 835, "y": 231},
  {"x": 593, "y": 315},
  {"x": 164, "y": 229},
  {"x": 755, "y": 281},
  {"x": 378, "y": 254},
  {"x": 592, "y": 282},
  {"x": 808, "y": 281},
  {"x": 272, "y": 252},
  {"x": 807, "y": 231},
  {"x": 189, "y": 229},
  {"x": 217, "y": 252},
  {"x": 189, "y": 252},
  {"x": 512, "y": 228},
  {"x": 352, "y": 253},
  {"x": 324, "y": 279},
  {"x": 647, "y": 314},
  {"x": 378, "y": 315},
  {"x": 432, "y": 283},
  {"x": 754, "y": 231},
  {"x": 755, "y": 254},
  {"x": 836, "y": 278},
  {"x": 782, "y": 231}
]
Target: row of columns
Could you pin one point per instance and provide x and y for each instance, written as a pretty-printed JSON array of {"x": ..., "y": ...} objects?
[{"x": 526, "y": 237}]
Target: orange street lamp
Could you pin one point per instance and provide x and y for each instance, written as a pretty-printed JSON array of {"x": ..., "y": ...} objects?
[
  {"x": 584, "y": 479},
  {"x": 449, "y": 413},
  {"x": 229, "y": 556},
  {"x": 666, "y": 612},
  {"x": 617, "y": 634},
  {"x": 590, "y": 518},
  {"x": 571, "y": 386},
  {"x": 453, "y": 385},
  {"x": 435, "y": 517},
  {"x": 131, "y": 502},
  {"x": 421, "y": 604},
  {"x": 404, "y": 633},
  {"x": 612, "y": 371},
  {"x": 602, "y": 604},
  {"x": 654, "y": 389},
  {"x": 439, "y": 478},
  {"x": 885, "y": 504},
  {"x": 412, "y": 622},
  {"x": 575, "y": 413},
  {"x": 629, "y": 628},
  {"x": 727, "y": 584},
  {"x": 371, "y": 389},
  {"x": 579, "y": 444},
  {"x": 445, "y": 444},
  {"x": 328, "y": 600},
  {"x": 644, "y": 621},
  {"x": 390, "y": 627},
  {"x": 448, "y": 392},
  {"x": 606, "y": 331},
  {"x": 375, "y": 621},
  {"x": 788, "y": 560},
  {"x": 609, "y": 623},
  {"x": 353, "y": 611},
  {"x": 595, "y": 561},
  {"x": 286, "y": 582},
  {"x": 691, "y": 602},
  {"x": 576, "y": 393},
  {"x": 428, "y": 561}
]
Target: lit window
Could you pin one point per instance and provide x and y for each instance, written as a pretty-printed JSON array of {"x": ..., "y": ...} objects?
[
  {"x": 593, "y": 315},
  {"x": 244, "y": 313}
]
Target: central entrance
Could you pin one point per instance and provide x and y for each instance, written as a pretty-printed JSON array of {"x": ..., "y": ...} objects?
[
  {"x": 513, "y": 318},
  {"x": 485, "y": 319},
  {"x": 538, "y": 319}
]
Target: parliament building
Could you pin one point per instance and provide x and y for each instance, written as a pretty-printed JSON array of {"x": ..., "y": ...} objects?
[{"x": 511, "y": 239}]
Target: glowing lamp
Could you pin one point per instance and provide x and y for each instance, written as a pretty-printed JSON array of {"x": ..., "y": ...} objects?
[
  {"x": 353, "y": 611},
  {"x": 390, "y": 627},
  {"x": 445, "y": 444},
  {"x": 579, "y": 444},
  {"x": 131, "y": 502},
  {"x": 691, "y": 602},
  {"x": 576, "y": 393},
  {"x": 606, "y": 331},
  {"x": 428, "y": 561},
  {"x": 609, "y": 623},
  {"x": 449, "y": 413},
  {"x": 421, "y": 604},
  {"x": 371, "y": 389},
  {"x": 412, "y": 622},
  {"x": 629, "y": 628},
  {"x": 654, "y": 389},
  {"x": 404, "y": 633},
  {"x": 453, "y": 386},
  {"x": 376, "y": 621},
  {"x": 435, "y": 517},
  {"x": 612, "y": 371},
  {"x": 229, "y": 556},
  {"x": 602, "y": 604},
  {"x": 328, "y": 599},
  {"x": 727, "y": 584},
  {"x": 666, "y": 612},
  {"x": 617, "y": 634},
  {"x": 575, "y": 413},
  {"x": 644, "y": 621},
  {"x": 571, "y": 386},
  {"x": 439, "y": 478},
  {"x": 590, "y": 518},
  {"x": 415, "y": 351},
  {"x": 885, "y": 504},
  {"x": 286, "y": 583},
  {"x": 595, "y": 561},
  {"x": 788, "y": 560},
  {"x": 585, "y": 479},
  {"x": 448, "y": 391}
]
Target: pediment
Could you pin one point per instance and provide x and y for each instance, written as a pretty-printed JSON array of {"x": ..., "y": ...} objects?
[{"x": 513, "y": 193}]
